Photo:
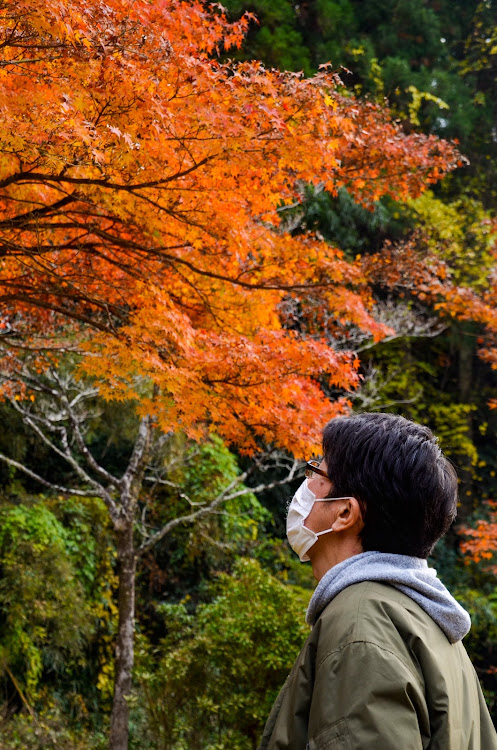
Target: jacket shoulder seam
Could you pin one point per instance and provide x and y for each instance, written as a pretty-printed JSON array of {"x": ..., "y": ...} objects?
[{"x": 363, "y": 641}]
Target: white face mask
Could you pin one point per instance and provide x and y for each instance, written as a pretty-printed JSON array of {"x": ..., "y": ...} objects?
[{"x": 299, "y": 536}]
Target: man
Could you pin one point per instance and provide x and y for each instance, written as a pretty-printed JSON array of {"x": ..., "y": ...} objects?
[{"x": 383, "y": 667}]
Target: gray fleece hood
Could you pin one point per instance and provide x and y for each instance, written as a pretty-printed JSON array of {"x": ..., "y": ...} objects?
[{"x": 411, "y": 575}]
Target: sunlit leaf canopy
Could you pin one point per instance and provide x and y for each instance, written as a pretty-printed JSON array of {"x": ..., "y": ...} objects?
[{"x": 139, "y": 182}]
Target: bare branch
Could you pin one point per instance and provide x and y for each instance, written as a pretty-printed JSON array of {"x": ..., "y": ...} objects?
[
  {"x": 212, "y": 507},
  {"x": 45, "y": 483},
  {"x": 371, "y": 395},
  {"x": 59, "y": 417},
  {"x": 407, "y": 321},
  {"x": 53, "y": 409},
  {"x": 31, "y": 421},
  {"x": 89, "y": 458}
]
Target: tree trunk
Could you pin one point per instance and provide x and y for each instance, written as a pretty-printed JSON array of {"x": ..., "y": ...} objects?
[{"x": 125, "y": 639}]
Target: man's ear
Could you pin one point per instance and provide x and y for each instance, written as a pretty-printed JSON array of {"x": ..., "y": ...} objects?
[{"x": 349, "y": 516}]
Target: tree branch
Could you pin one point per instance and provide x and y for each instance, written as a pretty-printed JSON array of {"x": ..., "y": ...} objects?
[
  {"x": 223, "y": 497},
  {"x": 88, "y": 456},
  {"x": 66, "y": 453},
  {"x": 51, "y": 485}
]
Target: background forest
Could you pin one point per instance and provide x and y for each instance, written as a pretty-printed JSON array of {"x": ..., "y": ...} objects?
[{"x": 220, "y": 599}]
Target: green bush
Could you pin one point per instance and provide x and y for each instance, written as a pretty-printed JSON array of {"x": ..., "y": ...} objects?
[
  {"x": 48, "y": 731},
  {"x": 42, "y": 607},
  {"x": 212, "y": 682}
]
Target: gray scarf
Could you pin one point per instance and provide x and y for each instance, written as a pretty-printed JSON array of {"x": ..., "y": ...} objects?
[{"x": 411, "y": 575}]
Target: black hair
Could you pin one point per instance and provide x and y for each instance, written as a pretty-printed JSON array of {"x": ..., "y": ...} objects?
[{"x": 395, "y": 468}]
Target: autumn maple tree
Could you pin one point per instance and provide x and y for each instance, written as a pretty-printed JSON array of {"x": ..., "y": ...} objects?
[
  {"x": 140, "y": 180},
  {"x": 139, "y": 185}
]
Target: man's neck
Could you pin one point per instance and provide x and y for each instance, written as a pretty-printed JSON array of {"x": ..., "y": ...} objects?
[{"x": 326, "y": 557}]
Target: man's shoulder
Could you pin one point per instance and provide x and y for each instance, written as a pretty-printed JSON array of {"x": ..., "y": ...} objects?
[
  {"x": 379, "y": 614},
  {"x": 369, "y": 599}
]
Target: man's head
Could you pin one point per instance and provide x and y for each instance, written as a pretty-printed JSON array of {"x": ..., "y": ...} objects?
[{"x": 406, "y": 487}]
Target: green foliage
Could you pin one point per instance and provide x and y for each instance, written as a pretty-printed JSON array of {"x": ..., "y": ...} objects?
[
  {"x": 90, "y": 547},
  {"x": 37, "y": 577},
  {"x": 196, "y": 475},
  {"x": 213, "y": 680},
  {"x": 450, "y": 423},
  {"x": 49, "y": 730},
  {"x": 474, "y": 588},
  {"x": 480, "y": 642},
  {"x": 57, "y": 610},
  {"x": 344, "y": 223},
  {"x": 418, "y": 379},
  {"x": 277, "y": 38},
  {"x": 403, "y": 25},
  {"x": 335, "y": 18},
  {"x": 459, "y": 118},
  {"x": 461, "y": 233},
  {"x": 211, "y": 471},
  {"x": 418, "y": 98},
  {"x": 276, "y": 557}
]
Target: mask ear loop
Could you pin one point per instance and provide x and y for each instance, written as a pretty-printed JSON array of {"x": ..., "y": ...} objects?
[
  {"x": 325, "y": 500},
  {"x": 326, "y": 531}
]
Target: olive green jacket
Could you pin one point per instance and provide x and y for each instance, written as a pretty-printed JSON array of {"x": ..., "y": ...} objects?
[{"x": 377, "y": 673}]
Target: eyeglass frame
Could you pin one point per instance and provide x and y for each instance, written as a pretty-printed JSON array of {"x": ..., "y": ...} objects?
[{"x": 312, "y": 467}]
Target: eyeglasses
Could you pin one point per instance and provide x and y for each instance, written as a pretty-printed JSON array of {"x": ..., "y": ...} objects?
[{"x": 312, "y": 467}]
